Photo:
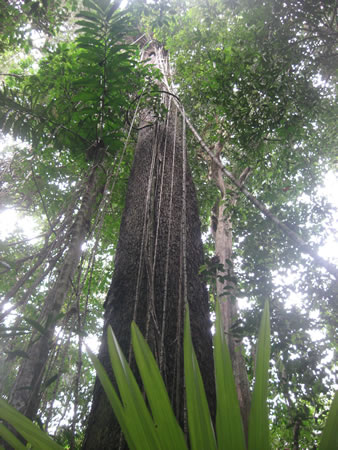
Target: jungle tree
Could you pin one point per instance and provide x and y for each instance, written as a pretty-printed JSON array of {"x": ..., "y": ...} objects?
[{"x": 247, "y": 80}]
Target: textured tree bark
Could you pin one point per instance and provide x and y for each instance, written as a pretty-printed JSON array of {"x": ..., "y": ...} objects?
[
  {"x": 25, "y": 392},
  {"x": 226, "y": 288},
  {"x": 147, "y": 283}
]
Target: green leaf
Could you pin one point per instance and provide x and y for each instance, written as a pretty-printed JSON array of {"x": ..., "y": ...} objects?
[
  {"x": 113, "y": 399},
  {"x": 9, "y": 437},
  {"x": 229, "y": 425},
  {"x": 92, "y": 5},
  {"x": 88, "y": 27},
  {"x": 29, "y": 431},
  {"x": 90, "y": 40},
  {"x": 35, "y": 324},
  {"x": 91, "y": 16},
  {"x": 86, "y": 96},
  {"x": 87, "y": 82},
  {"x": 201, "y": 430},
  {"x": 140, "y": 422},
  {"x": 51, "y": 380},
  {"x": 168, "y": 428},
  {"x": 110, "y": 11},
  {"x": 203, "y": 268},
  {"x": 118, "y": 17},
  {"x": 258, "y": 420},
  {"x": 329, "y": 439}
]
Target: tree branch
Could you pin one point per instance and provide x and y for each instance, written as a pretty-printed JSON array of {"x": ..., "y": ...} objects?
[{"x": 303, "y": 246}]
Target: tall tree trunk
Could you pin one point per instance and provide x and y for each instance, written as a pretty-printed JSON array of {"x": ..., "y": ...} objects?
[
  {"x": 25, "y": 392},
  {"x": 225, "y": 285},
  {"x": 160, "y": 230}
]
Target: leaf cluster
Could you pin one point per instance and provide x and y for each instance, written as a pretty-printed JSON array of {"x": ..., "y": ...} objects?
[{"x": 160, "y": 430}]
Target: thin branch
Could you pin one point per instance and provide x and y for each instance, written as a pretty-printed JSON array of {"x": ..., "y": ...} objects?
[
  {"x": 12, "y": 75},
  {"x": 32, "y": 288},
  {"x": 23, "y": 241}
]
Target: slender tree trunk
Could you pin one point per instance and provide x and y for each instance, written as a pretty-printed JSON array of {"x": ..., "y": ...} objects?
[
  {"x": 159, "y": 240},
  {"x": 296, "y": 433},
  {"x": 25, "y": 392},
  {"x": 225, "y": 285}
]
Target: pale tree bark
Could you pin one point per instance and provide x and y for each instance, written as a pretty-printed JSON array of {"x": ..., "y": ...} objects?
[
  {"x": 24, "y": 395},
  {"x": 225, "y": 286}
]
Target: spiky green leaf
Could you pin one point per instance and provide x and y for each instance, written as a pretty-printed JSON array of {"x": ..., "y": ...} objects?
[
  {"x": 329, "y": 439},
  {"x": 229, "y": 425},
  {"x": 201, "y": 430},
  {"x": 167, "y": 427},
  {"x": 259, "y": 419}
]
